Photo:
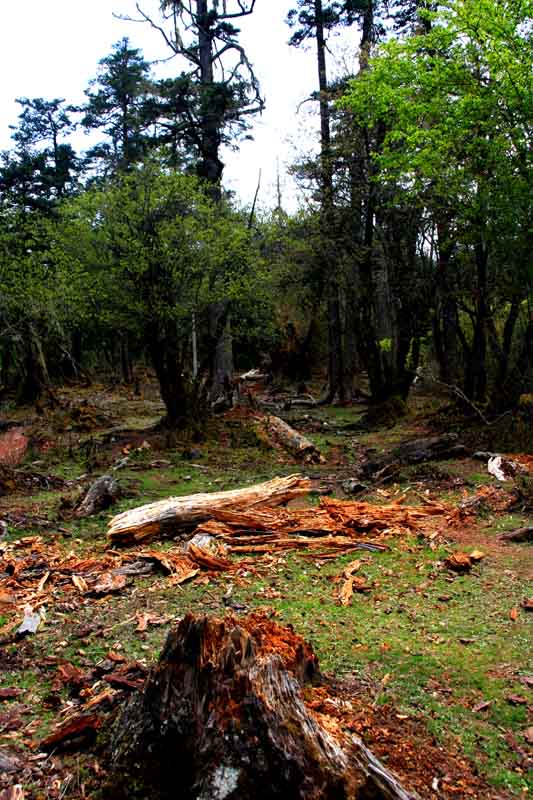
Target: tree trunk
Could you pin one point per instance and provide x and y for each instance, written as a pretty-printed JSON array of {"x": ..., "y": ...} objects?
[
  {"x": 102, "y": 494},
  {"x": 210, "y": 167},
  {"x": 291, "y": 440},
  {"x": 221, "y": 353},
  {"x": 36, "y": 378},
  {"x": 336, "y": 378},
  {"x": 125, "y": 360},
  {"x": 476, "y": 382},
  {"x": 165, "y": 356},
  {"x": 223, "y": 717},
  {"x": 446, "y": 340}
]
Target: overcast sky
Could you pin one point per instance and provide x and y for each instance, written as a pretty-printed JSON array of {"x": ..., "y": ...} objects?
[{"x": 51, "y": 49}]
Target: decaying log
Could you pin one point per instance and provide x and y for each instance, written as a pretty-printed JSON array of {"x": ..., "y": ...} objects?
[
  {"x": 519, "y": 535},
  {"x": 291, "y": 440},
  {"x": 223, "y": 717},
  {"x": 416, "y": 451},
  {"x": 182, "y": 514},
  {"x": 102, "y": 494}
]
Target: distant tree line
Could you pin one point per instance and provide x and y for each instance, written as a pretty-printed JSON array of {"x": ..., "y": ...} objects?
[{"x": 413, "y": 248}]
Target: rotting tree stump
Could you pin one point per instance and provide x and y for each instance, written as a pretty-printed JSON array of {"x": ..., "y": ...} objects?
[
  {"x": 223, "y": 717},
  {"x": 102, "y": 494}
]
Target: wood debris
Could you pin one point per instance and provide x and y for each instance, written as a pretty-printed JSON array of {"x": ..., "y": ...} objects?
[
  {"x": 178, "y": 514},
  {"x": 524, "y": 534},
  {"x": 38, "y": 575},
  {"x": 293, "y": 441},
  {"x": 463, "y": 562},
  {"x": 336, "y": 526},
  {"x": 102, "y": 494}
]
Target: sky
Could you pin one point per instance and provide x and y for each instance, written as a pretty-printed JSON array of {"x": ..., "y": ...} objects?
[{"x": 51, "y": 49}]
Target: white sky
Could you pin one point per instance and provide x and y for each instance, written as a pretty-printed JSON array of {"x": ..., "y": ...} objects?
[{"x": 51, "y": 49}]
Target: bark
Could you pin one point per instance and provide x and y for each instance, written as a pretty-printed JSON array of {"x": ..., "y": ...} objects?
[
  {"x": 36, "y": 378},
  {"x": 294, "y": 442},
  {"x": 125, "y": 360},
  {"x": 222, "y": 716},
  {"x": 101, "y": 495},
  {"x": 336, "y": 377},
  {"x": 210, "y": 166},
  {"x": 221, "y": 352},
  {"x": 182, "y": 514},
  {"x": 165, "y": 356},
  {"x": 417, "y": 451},
  {"x": 446, "y": 323},
  {"x": 519, "y": 535},
  {"x": 476, "y": 377}
]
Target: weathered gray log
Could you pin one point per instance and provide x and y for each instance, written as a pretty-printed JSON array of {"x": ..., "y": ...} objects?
[
  {"x": 519, "y": 535},
  {"x": 178, "y": 515},
  {"x": 222, "y": 717},
  {"x": 416, "y": 451},
  {"x": 102, "y": 494}
]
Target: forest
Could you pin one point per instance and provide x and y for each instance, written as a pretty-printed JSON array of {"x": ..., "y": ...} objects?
[{"x": 171, "y": 357}]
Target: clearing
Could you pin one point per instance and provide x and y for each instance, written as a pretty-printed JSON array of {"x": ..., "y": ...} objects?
[{"x": 429, "y": 656}]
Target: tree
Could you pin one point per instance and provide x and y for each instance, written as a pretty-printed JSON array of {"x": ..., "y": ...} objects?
[
  {"x": 457, "y": 102},
  {"x": 218, "y": 91},
  {"x": 173, "y": 252},
  {"x": 117, "y": 105},
  {"x": 46, "y": 122},
  {"x": 314, "y": 19},
  {"x": 208, "y": 105},
  {"x": 40, "y": 302},
  {"x": 43, "y": 168}
]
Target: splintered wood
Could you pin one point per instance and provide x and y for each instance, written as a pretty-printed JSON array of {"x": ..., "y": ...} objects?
[
  {"x": 179, "y": 514},
  {"x": 334, "y": 528},
  {"x": 239, "y": 692},
  {"x": 246, "y": 521}
]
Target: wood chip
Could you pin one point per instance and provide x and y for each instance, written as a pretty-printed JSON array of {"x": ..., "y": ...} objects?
[
  {"x": 109, "y": 584},
  {"x": 516, "y": 700},
  {"x": 80, "y": 584}
]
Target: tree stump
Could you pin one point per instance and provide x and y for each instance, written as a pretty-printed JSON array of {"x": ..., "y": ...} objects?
[
  {"x": 102, "y": 494},
  {"x": 223, "y": 717}
]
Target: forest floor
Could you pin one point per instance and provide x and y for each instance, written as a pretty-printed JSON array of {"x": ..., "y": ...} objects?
[{"x": 438, "y": 665}]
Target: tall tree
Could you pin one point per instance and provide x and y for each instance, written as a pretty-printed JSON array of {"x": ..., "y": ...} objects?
[
  {"x": 457, "y": 101},
  {"x": 43, "y": 167},
  {"x": 216, "y": 94},
  {"x": 218, "y": 91},
  {"x": 117, "y": 105},
  {"x": 312, "y": 19}
]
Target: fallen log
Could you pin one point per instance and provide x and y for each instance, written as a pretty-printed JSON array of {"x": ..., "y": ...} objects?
[
  {"x": 301, "y": 447},
  {"x": 416, "y": 451},
  {"x": 102, "y": 494},
  {"x": 519, "y": 535},
  {"x": 179, "y": 515},
  {"x": 223, "y": 715}
]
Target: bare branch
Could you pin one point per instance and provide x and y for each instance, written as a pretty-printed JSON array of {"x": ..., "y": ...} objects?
[{"x": 244, "y": 11}]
